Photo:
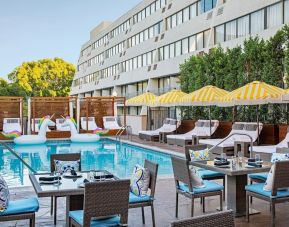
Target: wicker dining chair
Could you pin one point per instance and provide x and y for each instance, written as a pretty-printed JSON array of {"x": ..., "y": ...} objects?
[
  {"x": 280, "y": 181},
  {"x": 206, "y": 174},
  {"x": 103, "y": 199},
  {"x": 149, "y": 201},
  {"x": 61, "y": 157},
  {"x": 184, "y": 185},
  {"x": 219, "y": 219}
]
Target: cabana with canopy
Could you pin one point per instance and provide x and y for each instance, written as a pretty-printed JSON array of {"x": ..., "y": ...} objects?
[{"x": 11, "y": 116}]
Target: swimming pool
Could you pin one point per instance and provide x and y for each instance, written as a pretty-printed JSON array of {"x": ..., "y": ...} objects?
[{"x": 118, "y": 158}]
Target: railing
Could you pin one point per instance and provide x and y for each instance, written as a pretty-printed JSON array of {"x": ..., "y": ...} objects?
[
  {"x": 17, "y": 156},
  {"x": 125, "y": 128},
  {"x": 233, "y": 134}
]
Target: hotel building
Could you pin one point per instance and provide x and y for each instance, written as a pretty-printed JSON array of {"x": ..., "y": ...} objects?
[{"x": 142, "y": 50}]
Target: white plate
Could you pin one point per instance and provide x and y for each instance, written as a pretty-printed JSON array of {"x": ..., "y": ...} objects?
[
  {"x": 248, "y": 166},
  {"x": 48, "y": 182}
]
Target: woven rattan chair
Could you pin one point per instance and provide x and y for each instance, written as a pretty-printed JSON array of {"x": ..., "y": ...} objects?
[
  {"x": 280, "y": 181},
  {"x": 184, "y": 185},
  {"x": 61, "y": 157},
  {"x": 149, "y": 201},
  {"x": 220, "y": 219},
  {"x": 206, "y": 174},
  {"x": 103, "y": 199}
]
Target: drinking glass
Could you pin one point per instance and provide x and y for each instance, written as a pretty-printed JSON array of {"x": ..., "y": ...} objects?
[
  {"x": 102, "y": 176},
  {"x": 57, "y": 176},
  {"x": 257, "y": 158},
  {"x": 224, "y": 156},
  {"x": 240, "y": 158},
  {"x": 91, "y": 175}
]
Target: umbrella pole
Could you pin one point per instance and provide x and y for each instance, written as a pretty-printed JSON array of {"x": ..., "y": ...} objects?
[
  {"x": 210, "y": 121},
  {"x": 257, "y": 112}
]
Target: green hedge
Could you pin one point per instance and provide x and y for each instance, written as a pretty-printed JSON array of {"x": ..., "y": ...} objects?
[{"x": 256, "y": 59}]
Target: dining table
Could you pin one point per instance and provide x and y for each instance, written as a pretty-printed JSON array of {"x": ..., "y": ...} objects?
[
  {"x": 236, "y": 180},
  {"x": 69, "y": 186}
]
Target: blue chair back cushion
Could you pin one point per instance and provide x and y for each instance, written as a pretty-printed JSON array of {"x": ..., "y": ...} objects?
[
  {"x": 77, "y": 215},
  {"x": 21, "y": 206}
]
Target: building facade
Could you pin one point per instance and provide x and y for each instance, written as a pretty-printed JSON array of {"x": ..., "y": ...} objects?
[{"x": 142, "y": 50}]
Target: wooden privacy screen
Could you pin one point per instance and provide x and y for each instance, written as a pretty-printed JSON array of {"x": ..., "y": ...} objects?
[
  {"x": 59, "y": 106},
  {"x": 10, "y": 107},
  {"x": 99, "y": 107}
]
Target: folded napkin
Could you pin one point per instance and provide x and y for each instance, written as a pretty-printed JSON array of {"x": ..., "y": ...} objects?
[
  {"x": 221, "y": 163},
  {"x": 50, "y": 178},
  {"x": 254, "y": 164},
  {"x": 85, "y": 181},
  {"x": 106, "y": 176}
]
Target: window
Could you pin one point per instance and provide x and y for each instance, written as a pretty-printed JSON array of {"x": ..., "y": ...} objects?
[
  {"x": 231, "y": 30},
  {"x": 173, "y": 21},
  {"x": 286, "y": 11},
  {"x": 172, "y": 50},
  {"x": 180, "y": 17},
  {"x": 163, "y": 3},
  {"x": 193, "y": 11},
  {"x": 161, "y": 53},
  {"x": 141, "y": 37},
  {"x": 137, "y": 39},
  {"x": 139, "y": 61},
  {"x": 178, "y": 48},
  {"x": 151, "y": 32},
  {"x": 158, "y": 4},
  {"x": 149, "y": 58},
  {"x": 156, "y": 29},
  {"x": 192, "y": 43},
  {"x": 186, "y": 14},
  {"x": 257, "y": 22},
  {"x": 144, "y": 59},
  {"x": 135, "y": 63},
  {"x": 274, "y": 15},
  {"x": 166, "y": 52},
  {"x": 148, "y": 11},
  {"x": 153, "y": 7},
  {"x": 146, "y": 34},
  {"x": 219, "y": 34},
  {"x": 243, "y": 26},
  {"x": 185, "y": 46},
  {"x": 206, "y": 38},
  {"x": 200, "y": 41}
]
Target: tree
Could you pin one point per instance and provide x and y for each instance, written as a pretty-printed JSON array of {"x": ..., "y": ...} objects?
[{"x": 46, "y": 77}]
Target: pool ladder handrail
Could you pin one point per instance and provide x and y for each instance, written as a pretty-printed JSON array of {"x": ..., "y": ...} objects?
[
  {"x": 229, "y": 136},
  {"x": 4, "y": 144},
  {"x": 124, "y": 128}
]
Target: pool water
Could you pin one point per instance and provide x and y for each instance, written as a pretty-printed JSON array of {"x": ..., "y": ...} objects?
[{"x": 118, "y": 158}]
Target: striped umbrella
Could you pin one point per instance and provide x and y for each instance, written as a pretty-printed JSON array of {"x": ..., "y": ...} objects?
[
  {"x": 171, "y": 98},
  {"x": 206, "y": 96},
  {"x": 141, "y": 100},
  {"x": 254, "y": 93}
]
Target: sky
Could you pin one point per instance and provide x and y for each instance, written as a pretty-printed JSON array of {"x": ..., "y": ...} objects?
[{"x": 36, "y": 29}]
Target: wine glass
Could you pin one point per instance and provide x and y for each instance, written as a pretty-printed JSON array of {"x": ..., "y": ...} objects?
[{"x": 223, "y": 156}]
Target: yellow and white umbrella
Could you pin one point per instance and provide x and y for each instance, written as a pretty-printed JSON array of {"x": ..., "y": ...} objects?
[
  {"x": 206, "y": 96},
  {"x": 141, "y": 100},
  {"x": 254, "y": 93},
  {"x": 171, "y": 98}
]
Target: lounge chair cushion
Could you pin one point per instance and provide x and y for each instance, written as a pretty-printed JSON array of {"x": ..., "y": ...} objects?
[
  {"x": 204, "y": 173},
  {"x": 210, "y": 186},
  {"x": 138, "y": 199},
  {"x": 259, "y": 176},
  {"x": 258, "y": 188},
  {"x": 21, "y": 206},
  {"x": 4, "y": 194},
  {"x": 65, "y": 166},
  {"x": 279, "y": 157},
  {"x": 265, "y": 149},
  {"x": 140, "y": 181},
  {"x": 77, "y": 215}
]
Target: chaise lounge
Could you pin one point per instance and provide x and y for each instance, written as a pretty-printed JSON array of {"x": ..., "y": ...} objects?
[
  {"x": 201, "y": 130},
  {"x": 88, "y": 123},
  {"x": 111, "y": 122},
  {"x": 169, "y": 127},
  {"x": 248, "y": 128},
  {"x": 11, "y": 124}
]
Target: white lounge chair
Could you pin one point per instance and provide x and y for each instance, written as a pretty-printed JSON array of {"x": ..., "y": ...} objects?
[
  {"x": 59, "y": 125},
  {"x": 201, "y": 129},
  {"x": 11, "y": 124},
  {"x": 37, "y": 121},
  {"x": 248, "y": 128},
  {"x": 273, "y": 148},
  {"x": 110, "y": 122},
  {"x": 169, "y": 126},
  {"x": 88, "y": 123}
]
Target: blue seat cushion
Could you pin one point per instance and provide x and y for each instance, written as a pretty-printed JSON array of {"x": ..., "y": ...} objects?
[
  {"x": 210, "y": 186},
  {"x": 259, "y": 176},
  {"x": 77, "y": 215},
  {"x": 138, "y": 199},
  {"x": 258, "y": 188},
  {"x": 204, "y": 173},
  {"x": 21, "y": 206}
]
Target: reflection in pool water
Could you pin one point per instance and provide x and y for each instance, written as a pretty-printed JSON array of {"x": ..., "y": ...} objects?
[{"x": 104, "y": 154}]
